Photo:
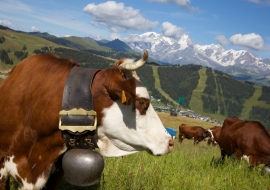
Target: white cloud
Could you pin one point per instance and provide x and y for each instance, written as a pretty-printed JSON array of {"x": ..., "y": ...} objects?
[
  {"x": 222, "y": 40},
  {"x": 182, "y": 3},
  {"x": 67, "y": 36},
  {"x": 259, "y": 1},
  {"x": 115, "y": 36},
  {"x": 170, "y": 30},
  {"x": 7, "y": 23},
  {"x": 252, "y": 41},
  {"x": 118, "y": 18},
  {"x": 138, "y": 38},
  {"x": 34, "y": 29}
]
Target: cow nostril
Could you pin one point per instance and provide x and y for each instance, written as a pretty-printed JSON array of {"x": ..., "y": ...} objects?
[{"x": 170, "y": 145}]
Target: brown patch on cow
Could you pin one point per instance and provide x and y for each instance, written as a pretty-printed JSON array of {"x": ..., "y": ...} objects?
[
  {"x": 245, "y": 138},
  {"x": 216, "y": 133},
  {"x": 107, "y": 88},
  {"x": 18, "y": 179},
  {"x": 142, "y": 105},
  {"x": 30, "y": 113},
  {"x": 40, "y": 157}
]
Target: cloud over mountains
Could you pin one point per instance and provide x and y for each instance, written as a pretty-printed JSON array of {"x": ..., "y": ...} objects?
[{"x": 118, "y": 18}]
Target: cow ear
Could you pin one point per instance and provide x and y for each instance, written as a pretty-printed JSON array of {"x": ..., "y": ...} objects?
[{"x": 125, "y": 91}]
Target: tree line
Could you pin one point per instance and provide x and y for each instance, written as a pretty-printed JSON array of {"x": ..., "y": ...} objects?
[
  {"x": 179, "y": 81},
  {"x": 2, "y": 39},
  {"x": 115, "y": 54},
  {"x": 210, "y": 103},
  {"x": 234, "y": 92},
  {"x": 265, "y": 94},
  {"x": 4, "y": 57},
  {"x": 260, "y": 114}
]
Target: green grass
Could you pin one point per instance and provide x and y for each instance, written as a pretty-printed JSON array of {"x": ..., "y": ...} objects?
[
  {"x": 17, "y": 42},
  {"x": 158, "y": 86},
  {"x": 87, "y": 44},
  {"x": 253, "y": 101},
  {"x": 196, "y": 103},
  {"x": 186, "y": 167}
]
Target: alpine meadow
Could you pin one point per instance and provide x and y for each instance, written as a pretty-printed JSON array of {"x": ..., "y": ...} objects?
[{"x": 175, "y": 69}]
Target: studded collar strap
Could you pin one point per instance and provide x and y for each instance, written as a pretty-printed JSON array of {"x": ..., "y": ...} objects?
[{"x": 78, "y": 94}]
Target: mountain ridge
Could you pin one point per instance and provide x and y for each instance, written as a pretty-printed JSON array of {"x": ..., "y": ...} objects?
[{"x": 184, "y": 51}]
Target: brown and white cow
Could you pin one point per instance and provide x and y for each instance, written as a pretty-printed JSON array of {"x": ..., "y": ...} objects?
[
  {"x": 248, "y": 140},
  {"x": 215, "y": 132},
  {"x": 197, "y": 133},
  {"x": 30, "y": 101}
]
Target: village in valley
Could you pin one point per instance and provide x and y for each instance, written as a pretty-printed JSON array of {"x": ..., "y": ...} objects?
[{"x": 182, "y": 112}]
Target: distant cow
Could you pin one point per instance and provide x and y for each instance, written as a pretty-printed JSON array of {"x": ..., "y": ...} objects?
[
  {"x": 215, "y": 132},
  {"x": 173, "y": 114},
  {"x": 249, "y": 140},
  {"x": 196, "y": 133}
]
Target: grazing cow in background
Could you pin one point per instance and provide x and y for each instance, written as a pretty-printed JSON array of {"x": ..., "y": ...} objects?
[
  {"x": 30, "y": 102},
  {"x": 196, "y": 133},
  {"x": 215, "y": 132},
  {"x": 173, "y": 114},
  {"x": 249, "y": 140}
]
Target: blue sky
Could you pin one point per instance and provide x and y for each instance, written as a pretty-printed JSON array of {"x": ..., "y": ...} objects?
[{"x": 235, "y": 24}]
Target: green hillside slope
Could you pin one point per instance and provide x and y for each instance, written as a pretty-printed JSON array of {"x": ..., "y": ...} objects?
[
  {"x": 15, "y": 41},
  {"x": 87, "y": 44},
  {"x": 117, "y": 45},
  {"x": 206, "y": 91}
]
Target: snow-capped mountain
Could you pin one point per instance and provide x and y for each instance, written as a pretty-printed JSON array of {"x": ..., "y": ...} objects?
[
  {"x": 183, "y": 51},
  {"x": 242, "y": 58}
]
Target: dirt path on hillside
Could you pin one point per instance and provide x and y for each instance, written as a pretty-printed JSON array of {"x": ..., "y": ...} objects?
[
  {"x": 3, "y": 76},
  {"x": 5, "y": 70}
]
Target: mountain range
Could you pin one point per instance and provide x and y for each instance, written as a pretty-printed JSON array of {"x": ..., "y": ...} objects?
[{"x": 184, "y": 51}]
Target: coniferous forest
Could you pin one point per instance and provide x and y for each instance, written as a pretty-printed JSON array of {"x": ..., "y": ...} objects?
[
  {"x": 179, "y": 82},
  {"x": 210, "y": 102}
]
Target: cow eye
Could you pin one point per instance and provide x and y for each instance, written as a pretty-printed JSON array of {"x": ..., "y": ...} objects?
[{"x": 141, "y": 101}]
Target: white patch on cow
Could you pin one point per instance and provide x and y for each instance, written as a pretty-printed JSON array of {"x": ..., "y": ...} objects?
[
  {"x": 141, "y": 90},
  {"x": 63, "y": 150},
  {"x": 3, "y": 173},
  {"x": 11, "y": 168},
  {"x": 244, "y": 157},
  {"x": 125, "y": 131},
  {"x": 210, "y": 131}
]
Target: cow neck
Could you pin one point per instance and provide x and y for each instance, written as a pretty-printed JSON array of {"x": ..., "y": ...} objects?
[{"x": 78, "y": 94}]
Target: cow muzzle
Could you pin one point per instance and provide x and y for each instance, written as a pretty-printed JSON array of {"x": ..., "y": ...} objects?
[{"x": 169, "y": 149}]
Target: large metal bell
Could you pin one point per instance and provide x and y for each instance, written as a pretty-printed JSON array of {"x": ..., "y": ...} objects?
[{"x": 82, "y": 167}]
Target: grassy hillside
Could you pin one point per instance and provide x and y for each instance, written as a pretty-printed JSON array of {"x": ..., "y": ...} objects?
[
  {"x": 232, "y": 96},
  {"x": 158, "y": 87},
  {"x": 15, "y": 42},
  {"x": 87, "y": 44},
  {"x": 196, "y": 103},
  {"x": 117, "y": 45}
]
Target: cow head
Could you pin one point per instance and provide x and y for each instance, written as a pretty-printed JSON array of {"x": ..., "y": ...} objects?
[
  {"x": 127, "y": 122},
  {"x": 207, "y": 135}
]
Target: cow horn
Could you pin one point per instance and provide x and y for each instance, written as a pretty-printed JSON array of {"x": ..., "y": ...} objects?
[{"x": 127, "y": 67}]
